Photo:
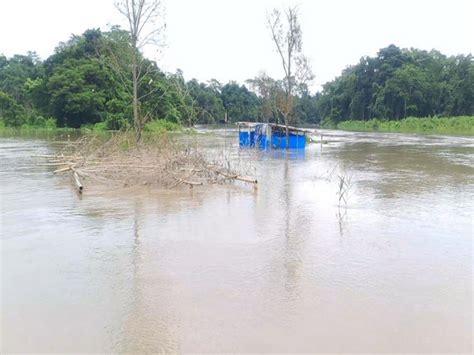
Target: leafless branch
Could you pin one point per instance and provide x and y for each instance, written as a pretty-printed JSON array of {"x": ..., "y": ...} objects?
[{"x": 287, "y": 38}]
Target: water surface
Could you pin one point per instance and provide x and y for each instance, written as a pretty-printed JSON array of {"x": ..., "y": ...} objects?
[{"x": 282, "y": 268}]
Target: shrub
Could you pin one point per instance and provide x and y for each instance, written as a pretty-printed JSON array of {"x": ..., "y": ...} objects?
[
  {"x": 100, "y": 127},
  {"x": 162, "y": 126},
  {"x": 327, "y": 123},
  {"x": 50, "y": 123}
]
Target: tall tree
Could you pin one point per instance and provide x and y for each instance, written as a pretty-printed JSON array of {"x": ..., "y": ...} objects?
[
  {"x": 146, "y": 26},
  {"x": 288, "y": 38}
]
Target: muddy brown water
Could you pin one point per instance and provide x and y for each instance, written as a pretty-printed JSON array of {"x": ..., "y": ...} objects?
[{"x": 281, "y": 268}]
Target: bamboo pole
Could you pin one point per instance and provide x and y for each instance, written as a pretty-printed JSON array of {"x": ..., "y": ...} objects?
[
  {"x": 54, "y": 156},
  {"x": 125, "y": 165},
  {"x": 62, "y": 170},
  {"x": 56, "y": 164},
  {"x": 77, "y": 181}
]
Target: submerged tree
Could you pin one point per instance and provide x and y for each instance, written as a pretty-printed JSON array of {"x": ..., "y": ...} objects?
[
  {"x": 288, "y": 38},
  {"x": 146, "y": 26}
]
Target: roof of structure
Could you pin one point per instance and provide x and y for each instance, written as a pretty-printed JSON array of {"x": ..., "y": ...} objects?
[{"x": 290, "y": 128}]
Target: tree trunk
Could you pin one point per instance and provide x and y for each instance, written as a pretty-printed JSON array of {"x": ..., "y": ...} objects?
[
  {"x": 289, "y": 109},
  {"x": 136, "y": 114}
]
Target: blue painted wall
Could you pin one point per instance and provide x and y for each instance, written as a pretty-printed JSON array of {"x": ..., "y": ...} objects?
[{"x": 278, "y": 140}]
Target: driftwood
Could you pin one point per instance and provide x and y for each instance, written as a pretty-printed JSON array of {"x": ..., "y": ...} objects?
[{"x": 66, "y": 163}]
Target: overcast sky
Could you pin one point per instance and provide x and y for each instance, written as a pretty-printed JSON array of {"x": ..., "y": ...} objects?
[{"x": 228, "y": 39}]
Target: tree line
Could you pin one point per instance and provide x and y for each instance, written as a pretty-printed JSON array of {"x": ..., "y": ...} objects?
[
  {"x": 80, "y": 84},
  {"x": 400, "y": 83},
  {"x": 86, "y": 82}
]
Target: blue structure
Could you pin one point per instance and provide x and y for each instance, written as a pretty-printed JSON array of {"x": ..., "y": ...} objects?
[
  {"x": 270, "y": 135},
  {"x": 295, "y": 141},
  {"x": 247, "y": 139}
]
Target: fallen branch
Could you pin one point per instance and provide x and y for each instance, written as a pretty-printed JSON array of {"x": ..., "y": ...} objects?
[
  {"x": 190, "y": 183},
  {"x": 236, "y": 177}
]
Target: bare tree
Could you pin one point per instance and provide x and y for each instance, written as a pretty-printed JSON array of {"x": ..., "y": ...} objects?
[
  {"x": 146, "y": 26},
  {"x": 288, "y": 38}
]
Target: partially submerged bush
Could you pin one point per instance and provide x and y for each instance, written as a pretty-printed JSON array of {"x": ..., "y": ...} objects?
[{"x": 158, "y": 160}]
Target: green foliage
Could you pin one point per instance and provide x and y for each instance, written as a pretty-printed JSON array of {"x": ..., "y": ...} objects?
[
  {"x": 118, "y": 114},
  {"x": 11, "y": 113},
  {"x": 399, "y": 83},
  {"x": 159, "y": 126},
  {"x": 50, "y": 123},
  {"x": 450, "y": 125},
  {"x": 77, "y": 90},
  {"x": 328, "y": 123},
  {"x": 207, "y": 102},
  {"x": 239, "y": 103},
  {"x": 86, "y": 82},
  {"x": 41, "y": 122},
  {"x": 100, "y": 127}
]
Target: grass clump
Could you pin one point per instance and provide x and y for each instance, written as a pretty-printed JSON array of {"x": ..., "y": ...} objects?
[{"x": 161, "y": 126}]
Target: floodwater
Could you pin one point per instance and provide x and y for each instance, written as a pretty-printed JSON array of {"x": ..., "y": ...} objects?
[{"x": 286, "y": 267}]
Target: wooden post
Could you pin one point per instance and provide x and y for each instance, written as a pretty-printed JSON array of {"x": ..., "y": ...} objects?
[{"x": 269, "y": 136}]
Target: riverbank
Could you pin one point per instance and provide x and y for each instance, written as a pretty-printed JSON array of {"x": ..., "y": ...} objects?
[
  {"x": 462, "y": 125},
  {"x": 151, "y": 128}
]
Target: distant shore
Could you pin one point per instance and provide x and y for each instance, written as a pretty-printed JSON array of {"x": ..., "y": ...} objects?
[{"x": 463, "y": 125}]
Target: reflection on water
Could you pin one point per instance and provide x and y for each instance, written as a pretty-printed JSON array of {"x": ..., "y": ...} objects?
[{"x": 283, "y": 267}]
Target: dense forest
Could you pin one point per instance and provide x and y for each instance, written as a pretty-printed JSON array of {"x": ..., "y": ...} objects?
[
  {"x": 83, "y": 83},
  {"x": 400, "y": 83}
]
